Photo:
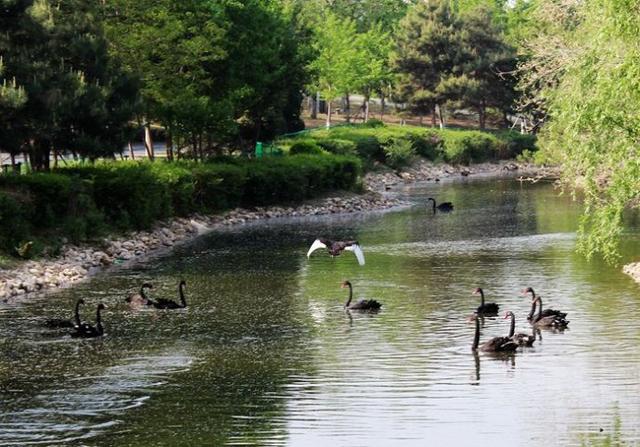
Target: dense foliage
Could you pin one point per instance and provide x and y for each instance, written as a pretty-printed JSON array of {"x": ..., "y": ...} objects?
[
  {"x": 61, "y": 90},
  {"x": 83, "y": 201},
  {"x": 584, "y": 73},
  {"x": 397, "y": 145},
  {"x": 444, "y": 56}
]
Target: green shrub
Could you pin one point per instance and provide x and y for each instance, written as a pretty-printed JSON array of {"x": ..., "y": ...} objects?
[
  {"x": 429, "y": 145},
  {"x": 373, "y": 123},
  {"x": 309, "y": 147},
  {"x": 83, "y": 201},
  {"x": 218, "y": 186},
  {"x": 179, "y": 180},
  {"x": 48, "y": 193},
  {"x": 469, "y": 146},
  {"x": 399, "y": 152},
  {"x": 337, "y": 146},
  {"x": 515, "y": 143},
  {"x": 16, "y": 217}
]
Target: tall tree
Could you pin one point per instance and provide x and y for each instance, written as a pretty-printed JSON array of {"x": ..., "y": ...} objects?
[
  {"x": 77, "y": 99},
  {"x": 337, "y": 58},
  {"x": 488, "y": 64},
  {"x": 427, "y": 56}
]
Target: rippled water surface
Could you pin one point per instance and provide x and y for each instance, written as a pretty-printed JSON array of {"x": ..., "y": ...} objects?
[{"x": 265, "y": 354}]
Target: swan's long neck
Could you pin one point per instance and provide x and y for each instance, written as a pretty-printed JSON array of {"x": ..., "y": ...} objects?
[
  {"x": 434, "y": 204},
  {"x": 142, "y": 294},
  {"x": 77, "y": 313},
  {"x": 183, "y": 301},
  {"x": 540, "y": 308},
  {"x": 481, "y": 297},
  {"x": 99, "y": 321},
  {"x": 533, "y": 294},
  {"x": 533, "y": 310},
  {"x": 512, "y": 329},
  {"x": 350, "y": 295},
  {"x": 476, "y": 337}
]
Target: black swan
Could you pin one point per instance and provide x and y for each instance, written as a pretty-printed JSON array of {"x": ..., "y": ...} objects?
[
  {"x": 362, "y": 304},
  {"x": 546, "y": 312},
  {"x": 485, "y": 308},
  {"x": 496, "y": 344},
  {"x": 56, "y": 323},
  {"x": 552, "y": 321},
  {"x": 520, "y": 338},
  {"x": 335, "y": 248},
  {"x": 163, "y": 303},
  {"x": 88, "y": 331},
  {"x": 140, "y": 297},
  {"x": 444, "y": 207}
]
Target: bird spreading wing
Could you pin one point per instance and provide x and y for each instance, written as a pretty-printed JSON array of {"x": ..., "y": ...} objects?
[
  {"x": 316, "y": 245},
  {"x": 355, "y": 248}
]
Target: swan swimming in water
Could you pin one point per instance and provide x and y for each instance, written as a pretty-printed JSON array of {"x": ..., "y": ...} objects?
[
  {"x": 87, "y": 331},
  {"x": 444, "y": 207},
  {"x": 163, "y": 303},
  {"x": 372, "y": 305}
]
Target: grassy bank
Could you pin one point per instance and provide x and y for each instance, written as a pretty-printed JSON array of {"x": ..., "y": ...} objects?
[
  {"x": 396, "y": 145},
  {"x": 83, "y": 202}
]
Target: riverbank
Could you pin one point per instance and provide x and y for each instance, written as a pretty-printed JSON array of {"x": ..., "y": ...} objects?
[
  {"x": 633, "y": 270},
  {"x": 78, "y": 262}
]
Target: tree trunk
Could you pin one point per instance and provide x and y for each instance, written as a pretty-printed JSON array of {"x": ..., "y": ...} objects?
[
  {"x": 440, "y": 116},
  {"x": 13, "y": 160},
  {"x": 131, "y": 151},
  {"x": 482, "y": 114},
  {"x": 169, "y": 147},
  {"x": 434, "y": 117},
  {"x": 39, "y": 155},
  {"x": 148, "y": 142},
  {"x": 347, "y": 107},
  {"x": 382, "y": 104},
  {"x": 366, "y": 108},
  {"x": 328, "y": 113},
  {"x": 313, "y": 110}
]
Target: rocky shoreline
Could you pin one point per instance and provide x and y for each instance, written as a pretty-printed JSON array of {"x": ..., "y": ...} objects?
[{"x": 76, "y": 263}]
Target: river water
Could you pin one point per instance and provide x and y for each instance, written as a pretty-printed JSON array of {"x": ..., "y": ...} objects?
[{"x": 265, "y": 353}]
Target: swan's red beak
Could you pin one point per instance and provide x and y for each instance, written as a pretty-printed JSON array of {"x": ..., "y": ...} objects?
[{"x": 506, "y": 316}]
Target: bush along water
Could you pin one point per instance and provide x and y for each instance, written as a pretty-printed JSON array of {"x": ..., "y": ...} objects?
[
  {"x": 86, "y": 201},
  {"x": 395, "y": 145}
]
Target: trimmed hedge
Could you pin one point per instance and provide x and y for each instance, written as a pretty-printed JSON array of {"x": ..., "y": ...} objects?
[
  {"x": 372, "y": 143},
  {"x": 85, "y": 201},
  {"x": 308, "y": 147}
]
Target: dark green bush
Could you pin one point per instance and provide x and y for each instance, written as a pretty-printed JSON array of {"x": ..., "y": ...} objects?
[
  {"x": 399, "y": 152},
  {"x": 515, "y": 143},
  {"x": 84, "y": 201},
  {"x": 308, "y": 147},
  {"x": 179, "y": 180},
  {"x": 429, "y": 145},
  {"x": 337, "y": 146},
  {"x": 16, "y": 217},
  {"x": 469, "y": 146},
  {"x": 48, "y": 193},
  {"x": 218, "y": 186},
  {"x": 373, "y": 123}
]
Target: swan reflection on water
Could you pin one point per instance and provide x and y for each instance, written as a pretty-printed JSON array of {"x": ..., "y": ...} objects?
[{"x": 508, "y": 358}]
